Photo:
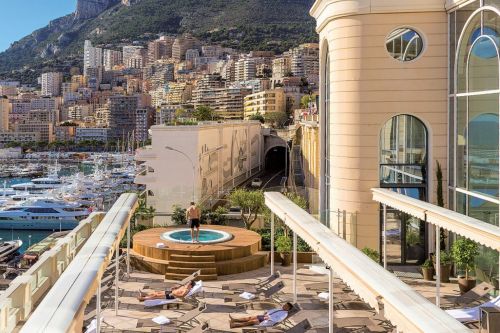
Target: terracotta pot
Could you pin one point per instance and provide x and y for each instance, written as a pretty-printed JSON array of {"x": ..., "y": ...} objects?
[
  {"x": 428, "y": 273},
  {"x": 445, "y": 273},
  {"x": 466, "y": 284},
  {"x": 286, "y": 258}
]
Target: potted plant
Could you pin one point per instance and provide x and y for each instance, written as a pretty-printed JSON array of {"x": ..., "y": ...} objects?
[
  {"x": 284, "y": 246},
  {"x": 446, "y": 262},
  {"x": 427, "y": 270},
  {"x": 464, "y": 252}
]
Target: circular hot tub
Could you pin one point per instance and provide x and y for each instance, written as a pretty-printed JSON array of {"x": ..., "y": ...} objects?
[{"x": 207, "y": 236}]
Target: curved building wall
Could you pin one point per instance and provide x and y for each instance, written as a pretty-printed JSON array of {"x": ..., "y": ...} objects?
[{"x": 367, "y": 88}]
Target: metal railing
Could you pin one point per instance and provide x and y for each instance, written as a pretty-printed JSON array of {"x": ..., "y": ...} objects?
[{"x": 18, "y": 301}]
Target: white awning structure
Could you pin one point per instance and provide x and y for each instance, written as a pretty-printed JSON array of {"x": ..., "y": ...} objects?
[
  {"x": 402, "y": 305},
  {"x": 474, "y": 229},
  {"x": 62, "y": 308}
]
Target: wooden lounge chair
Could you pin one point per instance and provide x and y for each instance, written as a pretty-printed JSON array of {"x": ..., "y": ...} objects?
[
  {"x": 172, "y": 284},
  {"x": 301, "y": 327},
  {"x": 470, "y": 298},
  {"x": 252, "y": 287},
  {"x": 187, "y": 320}
]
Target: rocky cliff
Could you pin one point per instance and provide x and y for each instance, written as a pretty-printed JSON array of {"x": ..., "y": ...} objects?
[{"x": 86, "y": 9}]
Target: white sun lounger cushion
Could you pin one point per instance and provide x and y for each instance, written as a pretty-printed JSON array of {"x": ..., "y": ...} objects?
[
  {"x": 92, "y": 327},
  {"x": 198, "y": 287},
  {"x": 472, "y": 314}
]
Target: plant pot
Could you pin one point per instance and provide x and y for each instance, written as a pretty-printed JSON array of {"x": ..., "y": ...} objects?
[
  {"x": 466, "y": 284},
  {"x": 428, "y": 273},
  {"x": 445, "y": 273},
  {"x": 286, "y": 258}
]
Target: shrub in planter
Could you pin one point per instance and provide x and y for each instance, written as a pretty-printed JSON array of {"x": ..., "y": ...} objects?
[
  {"x": 464, "y": 252},
  {"x": 374, "y": 255},
  {"x": 446, "y": 261},
  {"x": 284, "y": 246},
  {"x": 427, "y": 270}
]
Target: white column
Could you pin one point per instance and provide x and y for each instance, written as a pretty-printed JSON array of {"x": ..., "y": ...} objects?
[
  {"x": 117, "y": 271},
  {"x": 128, "y": 249},
  {"x": 294, "y": 267},
  {"x": 330, "y": 300},
  {"x": 98, "y": 307},
  {"x": 438, "y": 268},
  {"x": 384, "y": 234},
  {"x": 272, "y": 243}
]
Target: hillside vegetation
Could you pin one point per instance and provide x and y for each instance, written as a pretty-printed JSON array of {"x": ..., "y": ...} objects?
[{"x": 243, "y": 24}]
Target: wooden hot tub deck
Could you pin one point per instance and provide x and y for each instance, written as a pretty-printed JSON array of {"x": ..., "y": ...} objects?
[{"x": 178, "y": 260}]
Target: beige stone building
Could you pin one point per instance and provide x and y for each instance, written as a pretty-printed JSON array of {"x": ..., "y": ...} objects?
[
  {"x": 265, "y": 102},
  {"x": 405, "y": 85},
  {"x": 5, "y": 110}
]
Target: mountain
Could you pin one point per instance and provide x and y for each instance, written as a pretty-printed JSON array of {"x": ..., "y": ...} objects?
[{"x": 242, "y": 24}]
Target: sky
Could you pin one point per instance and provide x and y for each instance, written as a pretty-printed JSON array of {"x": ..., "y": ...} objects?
[{"x": 21, "y": 17}]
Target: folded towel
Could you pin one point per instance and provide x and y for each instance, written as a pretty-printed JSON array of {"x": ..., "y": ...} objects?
[
  {"x": 161, "y": 320},
  {"x": 158, "y": 302},
  {"x": 247, "y": 295},
  {"x": 324, "y": 296},
  {"x": 92, "y": 328},
  {"x": 160, "y": 245}
]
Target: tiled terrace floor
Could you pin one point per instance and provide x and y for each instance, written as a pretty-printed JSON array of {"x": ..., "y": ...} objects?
[{"x": 217, "y": 313}]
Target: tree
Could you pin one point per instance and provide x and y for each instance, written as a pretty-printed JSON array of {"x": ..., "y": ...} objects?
[
  {"x": 258, "y": 116},
  {"x": 204, "y": 113},
  {"x": 251, "y": 204},
  {"x": 306, "y": 99},
  {"x": 179, "y": 215},
  {"x": 275, "y": 119},
  {"x": 179, "y": 113}
]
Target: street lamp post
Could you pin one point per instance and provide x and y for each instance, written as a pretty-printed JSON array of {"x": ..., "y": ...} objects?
[{"x": 192, "y": 165}]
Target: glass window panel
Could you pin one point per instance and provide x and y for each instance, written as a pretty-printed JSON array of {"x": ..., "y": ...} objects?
[
  {"x": 461, "y": 203},
  {"x": 461, "y": 141},
  {"x": 404, "y": 44},
  {"x": 463, "y": 14},
  {"x": 483, "y": 65},
  {"x": 483, "y": 210},
  {"x": 451, "y": 143},
  {"x": 452, "y": 51},
  {"x": 472, "y": 31},
  {"x": 483, "y": 144},
  {"x": 494, "y": 3}
]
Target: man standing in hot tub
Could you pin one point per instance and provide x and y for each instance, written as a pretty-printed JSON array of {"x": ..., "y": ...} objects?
[{"x": 193, "y": 219}]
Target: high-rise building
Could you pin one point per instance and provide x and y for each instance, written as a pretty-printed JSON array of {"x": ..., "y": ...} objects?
[
  {"x": 245, "y": 69},
  {"x": 144, "y": 119},
  {"x": 180, "y": 46},
  {"x": 134, "y": 56},
  {"x": 5, "y": 109},
  {"x": 282, "y": 67},
  {"x": 111, "y": 58},
  {"x": 305, "y": 62},
  {"x": 92, "y": 56},
  {"x": 122, "y": 116},
  {"x": 51, "y": 83},
  {"x": 160, "y": 48}
]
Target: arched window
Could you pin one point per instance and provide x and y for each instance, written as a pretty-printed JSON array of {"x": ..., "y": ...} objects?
[
  {"x": 327, "y": 144},
  {"x": 403, "y": 152}
]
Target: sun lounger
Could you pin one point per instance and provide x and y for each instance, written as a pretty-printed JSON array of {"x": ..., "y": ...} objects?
[
  {"x": 472, "y": 314},
  {"x": 301, "y": 327},
  {"x": 188, "y": 319},
  {"x": 252, "y": 287},
  {"x": 323, "y": 286},
  {"x": 198, "y": 288},
  {"x": 172, "y": 284},
  {"x": 475, "y": 295},
  {"x": 265, "y": 294}
]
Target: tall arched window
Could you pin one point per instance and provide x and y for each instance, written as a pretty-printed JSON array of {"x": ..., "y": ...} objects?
[
  {"x": 326, "y": 141},
  {"x": 403, "y": 169}
]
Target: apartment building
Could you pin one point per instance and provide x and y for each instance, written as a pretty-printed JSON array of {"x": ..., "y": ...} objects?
[
  {"x": 160, "y": 48},
  {"x": 51, "y": 83},
  {"x": 92, "y": 134},
  {"x": 144, "y": 119},
  {"x": 5, "y": 110},
  {"x": 282, "y": 67},
  {"x": 21, "y": 137},
  {"x": 92, "y": 57},
  {"x": 245, "y": 69},
  {"x": 65, "y": 133},
  {"x": 122, "y": 116},
  {"x": 305, "y": 62},
  {"x": 266, "y": 101},
  {"x": 180, "y": 46},
  {"x": 111, "y": 58},
  {"x": 134, "y": 56},
  {"x": 45, "y": 129}
]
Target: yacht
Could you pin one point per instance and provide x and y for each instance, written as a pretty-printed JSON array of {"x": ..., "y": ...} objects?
[
  {"x": 8, "y": 248},
  {"x": 39, "y": 184},
  {"x": 43, "y": 214}
]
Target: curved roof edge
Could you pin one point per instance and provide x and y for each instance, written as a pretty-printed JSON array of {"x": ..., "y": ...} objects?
[{"x": 326, "y": 10}]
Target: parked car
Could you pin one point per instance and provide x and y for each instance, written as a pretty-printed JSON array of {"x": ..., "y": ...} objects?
[{"x": 256, "y": 182}]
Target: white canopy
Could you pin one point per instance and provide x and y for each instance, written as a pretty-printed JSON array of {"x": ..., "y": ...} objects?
[
  {"x": 403, "y": 306},
  {"x": 474, "y": 229}
]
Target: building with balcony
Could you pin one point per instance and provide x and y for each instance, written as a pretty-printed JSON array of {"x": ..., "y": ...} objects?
[{"x": 266, "y": 101}]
